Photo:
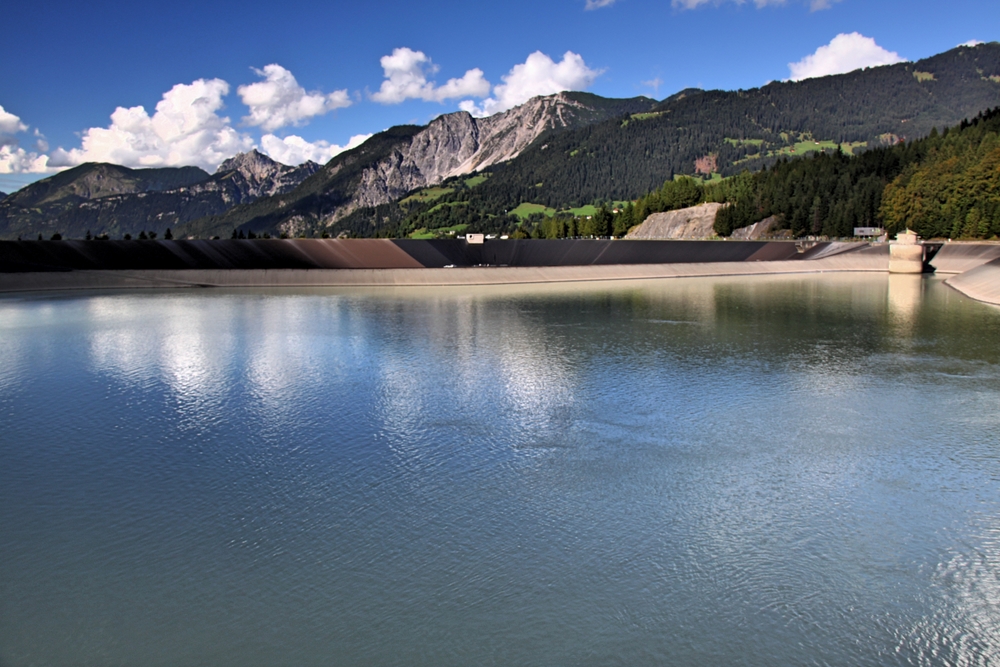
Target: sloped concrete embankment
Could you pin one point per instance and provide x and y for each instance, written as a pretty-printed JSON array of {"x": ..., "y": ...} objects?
[
  {"x": 961, "y": 257},
  {"x": 47, "y": 256},
  {"x": 75, "y": 255},
  {"x": 981, "y": 283},
  {"x": 863, "y": 259}
]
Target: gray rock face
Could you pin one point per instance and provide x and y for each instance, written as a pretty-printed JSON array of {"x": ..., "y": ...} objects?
[
  {"x": 506, "y": 134},
  {"x": 697, "y": 222},
  {"x": 253, "y": 165},
  {"x": 456, "y": 144},
  {"x": 256, "y": 175},
  {"x": 433, "y": 154},
  {"x": 757, "y": 231}
]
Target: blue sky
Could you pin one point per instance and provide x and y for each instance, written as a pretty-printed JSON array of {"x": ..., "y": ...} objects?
[{"x": 347, "y": 69}]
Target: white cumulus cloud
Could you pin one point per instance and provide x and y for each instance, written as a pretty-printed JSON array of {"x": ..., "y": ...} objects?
[
  {"x": 16, "y": 160},
  {"x": 295, "y": 150},
  {"x": 597, "y": 4},
  {"x": 279, "y": 100},
  {"x": 845, "y": 53},
  {"x": 538, "y": 75},
  {"x": 13, "y": 158},
  {"x": 814, "y": 5},
  {"x": 971, "y": 42},
  {"x": 10, "y": 124},
  {"x": 406, "y": 78},
  {"x": 185, "y": 130}
]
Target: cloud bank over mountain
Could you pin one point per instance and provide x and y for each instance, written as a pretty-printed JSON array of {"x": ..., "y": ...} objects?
[
  {"x": 844, "y": 53},
  {"x": 186, "y": 129},
  {"x": 538, "y": 75},
  {"x": 189, "y": 128},
  {"x": 189, "y": 125},
  {"x": 294, "y": 150}
]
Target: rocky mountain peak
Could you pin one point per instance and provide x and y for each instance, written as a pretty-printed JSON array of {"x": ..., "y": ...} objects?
[
  {"x": 254, "y": 165},
  {"x": 255, "y": 175},
  {"x": 457, "y": 143},
  {"x": 505, "y": 135}
]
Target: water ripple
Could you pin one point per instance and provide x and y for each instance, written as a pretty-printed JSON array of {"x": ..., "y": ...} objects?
[{"x": 798, "y": 470}]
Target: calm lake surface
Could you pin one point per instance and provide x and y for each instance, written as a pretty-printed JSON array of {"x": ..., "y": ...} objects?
[{"x": 797, "y": 470}]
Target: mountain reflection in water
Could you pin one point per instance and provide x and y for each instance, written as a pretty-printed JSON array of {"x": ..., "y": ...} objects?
[{"x": 754, "y": 470}]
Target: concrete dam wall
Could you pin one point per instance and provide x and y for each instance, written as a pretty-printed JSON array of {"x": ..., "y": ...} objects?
[
  {"x": 981, "y": 283},
  {"x": 273, "y": 254},
  {"x": 60, "y": 265},
  {"x": 961, "y": 257}
]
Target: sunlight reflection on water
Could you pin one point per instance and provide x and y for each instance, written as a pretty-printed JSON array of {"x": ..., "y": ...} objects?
[{"x": 783, "y": 470}]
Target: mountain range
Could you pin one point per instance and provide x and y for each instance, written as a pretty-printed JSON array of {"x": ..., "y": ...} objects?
[
  {"x": 706, "y": 132},
  {"x": 109, "y": 199},
  {"x": 557, "y": 152}
]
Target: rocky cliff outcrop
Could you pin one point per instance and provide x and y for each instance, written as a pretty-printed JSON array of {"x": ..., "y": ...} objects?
[
  {"x": 458, "y": 143},
  {"x": 431, "y": 155},
  {"x": 696, "y": 222},
  {"x": 766, "y": 228},
  {"x": 405, "y": 158},
  {"x": 505, "y": 135},
  {"x": 256, "y": 175}
]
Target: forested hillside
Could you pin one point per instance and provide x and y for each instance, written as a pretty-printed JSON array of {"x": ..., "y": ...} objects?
[
  {"x": 714, "y": 131},
  {"x": 749, "y": 129},
  {"x": 399, "y": 160},
  {"x": 955, "y": 190},
  {"x": 946, "y": 185},
  {"x": 568, "y": 157}
]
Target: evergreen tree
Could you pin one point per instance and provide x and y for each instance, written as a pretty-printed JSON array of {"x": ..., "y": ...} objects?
[{"x": 602, "y": 222}]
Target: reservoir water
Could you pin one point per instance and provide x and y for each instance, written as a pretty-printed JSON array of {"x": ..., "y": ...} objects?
[{"x": 797, "y": 470}]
